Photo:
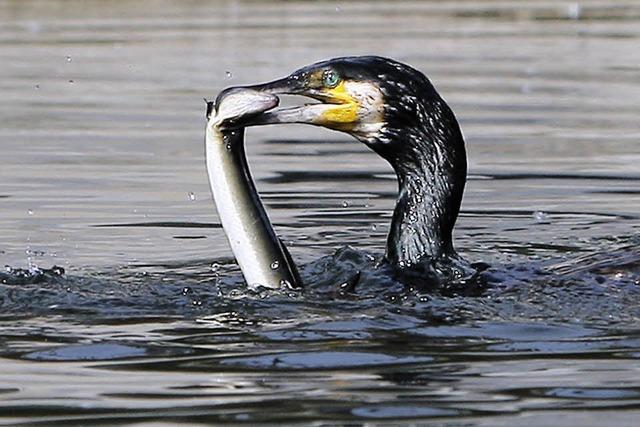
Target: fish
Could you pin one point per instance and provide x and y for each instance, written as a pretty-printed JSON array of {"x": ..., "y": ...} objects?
[{"x": 262, "y": 256}]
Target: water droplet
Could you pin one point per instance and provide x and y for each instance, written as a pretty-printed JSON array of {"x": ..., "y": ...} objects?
[
  {"x": 228, "y": 146},
  {"x": 275, "y": 265},
  {"x": 31, "y": 266},
  {"x": 540, "y": 216},
  {"x": 228, "y": 74},
  {"x": 338, "y": 9},
  {"x": 29, "y": 212},
  {"x": 37, "y": 87},
  {"x": 68, "y": 58},
  {"x": 215, "y": 267},
  {"x": 345, "y": 204},
  {"x": 71, "y": 82},
  {"x": 192, "y": 196},
  {"x": 285, "y": 282},
  {"x": 573, "y": 11},
  {"x": 374, "y": 227},
  {"x": 186, "y": 290}
]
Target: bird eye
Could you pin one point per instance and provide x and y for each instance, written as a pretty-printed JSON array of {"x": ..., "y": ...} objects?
[{"x": 330, "y": 78}]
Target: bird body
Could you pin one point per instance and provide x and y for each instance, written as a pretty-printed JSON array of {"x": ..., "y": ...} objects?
[{"x": 394, "y": 110}]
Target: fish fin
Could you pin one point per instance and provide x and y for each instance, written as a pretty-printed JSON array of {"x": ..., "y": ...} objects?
[
  {"x": 210, "y": 106},
  {"x": 291, "y": 265},
  {"x": 349, "y": 285}
]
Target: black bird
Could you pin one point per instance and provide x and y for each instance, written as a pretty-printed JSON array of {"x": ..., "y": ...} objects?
[{"x": 395, "y": 110}]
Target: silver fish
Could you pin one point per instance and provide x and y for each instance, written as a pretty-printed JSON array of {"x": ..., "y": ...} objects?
[{"x": 261, "y": 255}]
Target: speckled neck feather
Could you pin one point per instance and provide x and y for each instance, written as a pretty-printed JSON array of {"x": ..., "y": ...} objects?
[{"x": 424, "y": 144}]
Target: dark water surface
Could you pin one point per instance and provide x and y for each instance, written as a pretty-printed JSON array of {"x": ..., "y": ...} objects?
[{"x": 102, "y": 174}]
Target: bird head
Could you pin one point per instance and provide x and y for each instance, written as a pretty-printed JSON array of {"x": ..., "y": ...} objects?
[
  {"x": 369, "y": 97},
  {"x": 395, "y": 110}
]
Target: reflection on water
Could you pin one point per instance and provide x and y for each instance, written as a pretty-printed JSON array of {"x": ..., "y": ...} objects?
[{"x": 148, "y": 321}]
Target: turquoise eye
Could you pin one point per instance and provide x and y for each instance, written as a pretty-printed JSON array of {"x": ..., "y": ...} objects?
[{"x": 330, "y": 78}]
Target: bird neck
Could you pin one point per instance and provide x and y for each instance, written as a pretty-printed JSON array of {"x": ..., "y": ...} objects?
[{"x": 431, "y": 168}]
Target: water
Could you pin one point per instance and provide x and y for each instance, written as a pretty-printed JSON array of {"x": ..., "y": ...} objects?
[{"x": 102, "y": 174}]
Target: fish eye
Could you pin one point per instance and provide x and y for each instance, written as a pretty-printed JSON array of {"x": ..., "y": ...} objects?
[{"x": 330, "y": 78}]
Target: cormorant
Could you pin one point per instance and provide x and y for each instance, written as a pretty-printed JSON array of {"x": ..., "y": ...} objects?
[{"x": 395, "y": 110}]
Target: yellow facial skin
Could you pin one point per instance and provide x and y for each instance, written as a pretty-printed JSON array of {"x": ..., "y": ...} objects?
[
  {"x": 351, "y": 106},
  {"x": 343, "y": 113}
]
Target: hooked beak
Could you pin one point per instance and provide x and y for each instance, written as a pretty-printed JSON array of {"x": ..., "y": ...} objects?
[
  {"x": 308, "y": 113},
  {"x": 315, "y": 114},
  {"x": 286, "y": 86}
]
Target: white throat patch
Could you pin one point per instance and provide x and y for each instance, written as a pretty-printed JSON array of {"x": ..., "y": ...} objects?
[{"x": 371, "y": 108}]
